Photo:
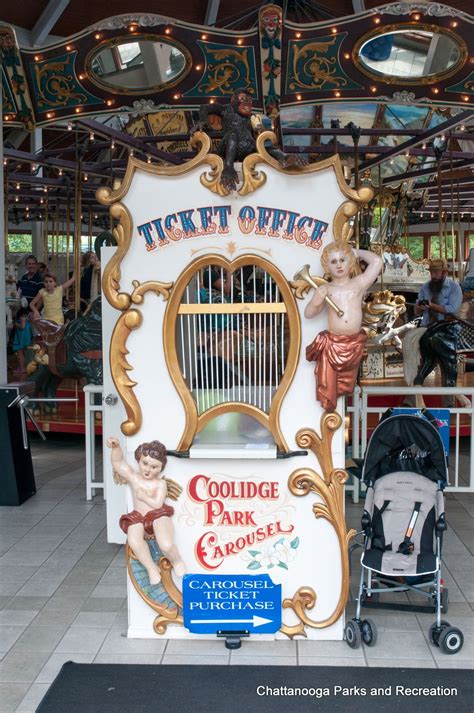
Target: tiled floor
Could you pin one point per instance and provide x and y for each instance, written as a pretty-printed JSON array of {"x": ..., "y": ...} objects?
[{"x": 63, "y": 594}]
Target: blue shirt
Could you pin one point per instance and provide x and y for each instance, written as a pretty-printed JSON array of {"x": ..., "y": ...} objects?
[
  {"x": 30, "y": 286},
  {"x": 450, "y": 298}
]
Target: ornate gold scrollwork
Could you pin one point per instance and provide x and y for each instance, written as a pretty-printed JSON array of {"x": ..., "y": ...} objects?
[
  {"x": 341, "y": 223},
  {"x": 330, "y": 489},
  {"x": 141, "y": 288},
  {"x": 253, "y": 179},
  {"x": 166, "y": 615},
  {"x": 119, "y": 366},
  {"x": 212, "y": 179},
  {"x": 123, "y": 235}
]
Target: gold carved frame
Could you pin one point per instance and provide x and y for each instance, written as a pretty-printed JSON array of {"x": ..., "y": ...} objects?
[
  {"x": 329, "y": 486},
  {"x": 131, "y": 318},
  {"x": 195, "y": 423}
]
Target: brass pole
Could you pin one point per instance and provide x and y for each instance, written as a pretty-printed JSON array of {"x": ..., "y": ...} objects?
[
  {"x": 46, "y": 233},
  {"x": 68, "y": 227},
  {"x": 453, "y": 247},
  {"x": 90, "y": 229},
  {"x": 440, "y": 216},
  {"x": 77, "y": 231},
  {"x": 459, "y": 240},
  {"x": 6, "y": 195}
]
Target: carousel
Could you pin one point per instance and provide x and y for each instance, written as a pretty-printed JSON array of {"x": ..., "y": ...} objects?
[{"x": 253, "y": 237}]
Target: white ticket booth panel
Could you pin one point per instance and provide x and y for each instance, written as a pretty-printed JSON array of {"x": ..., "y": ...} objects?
[{"x": 205, "y": 325}]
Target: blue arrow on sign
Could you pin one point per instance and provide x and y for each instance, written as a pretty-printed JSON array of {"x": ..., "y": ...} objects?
[{"x": 231, "y": 602}]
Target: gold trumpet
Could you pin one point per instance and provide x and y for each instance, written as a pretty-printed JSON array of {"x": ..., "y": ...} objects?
[{"x": 304, "y": 274}]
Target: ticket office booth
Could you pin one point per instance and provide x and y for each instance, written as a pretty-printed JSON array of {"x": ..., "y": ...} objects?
[{"x": 206, "y": 335}]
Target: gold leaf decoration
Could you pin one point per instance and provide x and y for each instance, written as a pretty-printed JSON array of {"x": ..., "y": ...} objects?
[
  {"x": 120, "y": 367},
  {"x": 123, "y": 235},
  {"x": 253, "y": 179},
  {"x": 330, "y": 488},
  {"x": 141, "y": 288},
  {"x": 212, "y": 179}
]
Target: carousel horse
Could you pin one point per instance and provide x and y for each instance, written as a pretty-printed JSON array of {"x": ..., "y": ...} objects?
[
  {"x": 380, "y": 315},
  {"x": 74, "y": 350},
  {"x": 440, "y": 345},
  {"x": 12, "y": 297}
]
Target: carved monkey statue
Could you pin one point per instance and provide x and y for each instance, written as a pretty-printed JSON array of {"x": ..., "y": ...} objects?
[{"x": 238, "y": 139}]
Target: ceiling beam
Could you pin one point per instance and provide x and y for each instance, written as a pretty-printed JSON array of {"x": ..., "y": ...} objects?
[
  {"x": 212, "y": 10},
  {"x": 47, "y": 20},
  {"x": 453, "y": 121},
  {"x": 463, "y": 163},
  {"x": 358, "y": 5},
  {"x": 125, "y": 140}
]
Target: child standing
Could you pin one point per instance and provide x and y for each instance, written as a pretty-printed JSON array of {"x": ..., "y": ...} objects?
[
  {"x": 22, "y": 337},
  {"x": 51, "y": 297}
]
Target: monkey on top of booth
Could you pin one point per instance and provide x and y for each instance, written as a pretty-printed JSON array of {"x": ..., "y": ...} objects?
[{"x": 238, "y": 136}]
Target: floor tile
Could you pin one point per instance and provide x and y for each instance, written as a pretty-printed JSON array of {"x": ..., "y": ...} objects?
[
  {"x": 396, "y": 645},
  {"x": 82, "y": 641},
  {"x": 53, "y": 665},
  {"x": 16, "y": 617},
  {"x": 328, "y": 661},
  {"x": 147, "y": 659},
  {"x": 9, "y": 635},
  {"x": 33, "y": 698},
  {"x": 97, "y": 619},
  {"x": 332, "y": 649},
  {"x": 267, "y": 661},
  {"x": 116, "y": 643},
  {"x": 22, "y": 666},
  {"x": 206, "y": 660},
  {"x": 194, "y": 647},
  {"x": 400, "y": 663},
  {"x": 40, "y": 638},
  {"x": 11, "y": 695}
]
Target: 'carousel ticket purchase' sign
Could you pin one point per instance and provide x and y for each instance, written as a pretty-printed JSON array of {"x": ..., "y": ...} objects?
[{"x": 207, "y": 338}]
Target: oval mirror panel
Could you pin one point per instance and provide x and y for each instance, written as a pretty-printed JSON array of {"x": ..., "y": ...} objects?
[
  {"x": 410, "y": 55},
  {"x": 138, "y": 66}
]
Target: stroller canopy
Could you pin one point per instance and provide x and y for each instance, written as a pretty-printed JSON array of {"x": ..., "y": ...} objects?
[{"x": 408, "y": 443}]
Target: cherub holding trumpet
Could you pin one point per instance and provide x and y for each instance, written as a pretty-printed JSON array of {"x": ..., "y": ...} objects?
[{"x": 338, "y": 350}]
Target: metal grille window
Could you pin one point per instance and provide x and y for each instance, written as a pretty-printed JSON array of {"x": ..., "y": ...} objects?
[{"x": 232, "y": 337}]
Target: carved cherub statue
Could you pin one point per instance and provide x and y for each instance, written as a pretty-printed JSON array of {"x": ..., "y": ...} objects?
[
  {"x": 338, "y": 350},
  {"x": 151, "y": 515}
]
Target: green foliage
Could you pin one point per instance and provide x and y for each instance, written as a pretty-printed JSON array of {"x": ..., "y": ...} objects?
[{"x": 20, "y": 243}]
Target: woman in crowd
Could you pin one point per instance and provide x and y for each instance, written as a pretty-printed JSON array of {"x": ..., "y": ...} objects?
[{"x": 90, "y": 278}]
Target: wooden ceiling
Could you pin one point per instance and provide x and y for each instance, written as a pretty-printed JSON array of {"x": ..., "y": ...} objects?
[{"x": 79, "y": 14}]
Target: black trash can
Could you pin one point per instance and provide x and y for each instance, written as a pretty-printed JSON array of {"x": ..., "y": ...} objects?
[{"x": 17, "y": 478}]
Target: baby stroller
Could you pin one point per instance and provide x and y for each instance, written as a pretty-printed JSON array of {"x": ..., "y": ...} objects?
[{"x": 405, "y": 471}]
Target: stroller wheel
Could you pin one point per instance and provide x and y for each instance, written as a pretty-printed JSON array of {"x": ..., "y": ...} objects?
[
  {"x": 435, "y": 633},
  {"x": 451, "y": 640},
  {"x": 368, "y": 632},
  {"x": 352, "y": 634}
]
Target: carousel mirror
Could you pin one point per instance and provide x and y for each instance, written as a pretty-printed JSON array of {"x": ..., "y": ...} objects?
[
  {"x": 138, "y": 65},
  {"x": 413, "y": 54}
]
